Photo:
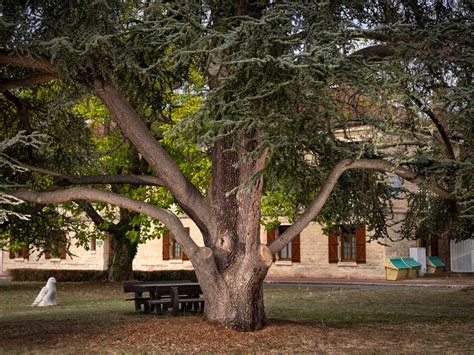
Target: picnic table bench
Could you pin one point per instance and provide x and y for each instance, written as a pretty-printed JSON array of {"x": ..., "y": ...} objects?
[{"x": 179, "y": 296}]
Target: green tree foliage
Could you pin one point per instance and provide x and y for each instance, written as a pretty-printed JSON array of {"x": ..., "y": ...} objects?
[
  {"x": 293, "y": 70},
  {"x": 7, "y": 164}
]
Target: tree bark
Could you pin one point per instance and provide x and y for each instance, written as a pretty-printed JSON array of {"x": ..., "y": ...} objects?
[
  {"x": 123, "y": 250},
  {"x": 233, "y": 281},
  {"x": 234, "y": 298},
  {"x": 120, "y": 265},
  {"x": 238, "y": 306}
]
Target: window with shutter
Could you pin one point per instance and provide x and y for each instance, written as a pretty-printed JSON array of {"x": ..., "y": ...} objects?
[
  {"x": 58, "y": 248},
  {"x": 174, "y": 249},
  {"x": 291, "y": 251},
  {"x": 23, "y": 253},
  {"x": 348, "y": 242},
  {"x": 352, "y": 246}
]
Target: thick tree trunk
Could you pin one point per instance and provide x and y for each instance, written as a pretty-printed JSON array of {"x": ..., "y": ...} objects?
[
  {"x": 121, "y": 258},
  {"x": 232, "y": 276},
  {"x": 234, "y": 299},
  {"x": 240, "y": 309}
]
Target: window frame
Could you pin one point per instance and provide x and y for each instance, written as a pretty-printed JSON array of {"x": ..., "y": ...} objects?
[
  {"x": 59, "y": 248},
  {"x": 352, "y": 237},
  {"x": 170, "y": 246},
  {"x": 20, "y": 254},
  {"x": 336, "y": 245},
  {"x": 290, "y": 248},
  {"x": 173, "y": 247}
]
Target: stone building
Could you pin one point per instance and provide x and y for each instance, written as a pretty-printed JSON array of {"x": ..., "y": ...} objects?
[
  {"x": 312, "y": 254},
  {"x": 346, "y": 254}
]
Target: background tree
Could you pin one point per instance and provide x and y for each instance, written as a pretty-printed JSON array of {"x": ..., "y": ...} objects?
[
  {"x": 282, "y": 78},
  {"x": 29, "y": 112}
]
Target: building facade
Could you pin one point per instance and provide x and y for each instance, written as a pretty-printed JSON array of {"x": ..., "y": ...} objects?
[{"x": 347, "y": 253}]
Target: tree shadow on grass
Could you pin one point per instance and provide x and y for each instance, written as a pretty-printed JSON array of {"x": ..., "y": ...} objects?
[{"x": 46, "y": 330}]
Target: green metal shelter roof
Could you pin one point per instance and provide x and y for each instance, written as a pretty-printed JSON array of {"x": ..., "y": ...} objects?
[
  {"x": 411, "y": 262},
  {"x": 399, "y": 264},
  {"x": 435, "y": 261}
]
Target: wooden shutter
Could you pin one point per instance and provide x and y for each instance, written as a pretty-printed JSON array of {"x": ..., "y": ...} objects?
[
  {"x": 166, "y": 246},
  {"x": 93, "y": 244},
  {"x": 183, "y": 255},
  {"x": 360, "y": 243},
  {"x": 271, "y": 236},
  {"x": 62, "y": 252},
  {"x": 62, "y": 246},
  {"x": 333, "y": 246},
  {"x": 295, "y": 249},
  {"x": 25, "y": 253}
]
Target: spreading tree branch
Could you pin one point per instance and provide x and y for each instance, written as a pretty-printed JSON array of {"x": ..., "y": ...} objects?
[
  {"x": 439, "y": 125},
  {"x": 93, "y": 214},
  {"x": 146, "y": 180},
  {"x": 383, "y": 37},
  {"x": 67, "y": 180},
  {"x": 374, "y": 52},
  {"x": 331, "y": 181},
  {"x": 27, "y": 62},
  {"x": 187, "y": 195},
  {"x": 27, "y": 81},
  {"x": 171, "y": 221}
]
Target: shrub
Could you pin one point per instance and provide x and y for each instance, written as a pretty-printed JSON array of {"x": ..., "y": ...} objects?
[
  {"x": 97, "y": 275},
  {"x": 60, "y": 275}
]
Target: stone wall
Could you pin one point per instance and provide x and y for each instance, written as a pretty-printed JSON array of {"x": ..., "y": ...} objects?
[
  {"x": 315, "y": 260},
  {"x": 150, "y": 255},
  {"x": 83, "y": 259}
]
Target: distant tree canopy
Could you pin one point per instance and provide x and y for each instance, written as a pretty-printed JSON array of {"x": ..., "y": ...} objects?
[{"x": 282, "y": 85}]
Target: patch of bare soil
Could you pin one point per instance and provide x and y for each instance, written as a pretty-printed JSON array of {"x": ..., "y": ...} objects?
[{"x": 195, "y": 335}]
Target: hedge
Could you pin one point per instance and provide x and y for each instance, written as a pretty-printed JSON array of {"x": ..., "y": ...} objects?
[{"x": 97, "y": 275}]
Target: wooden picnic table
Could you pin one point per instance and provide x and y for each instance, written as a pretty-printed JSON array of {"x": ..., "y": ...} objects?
[{"x": 162, "y": 295}]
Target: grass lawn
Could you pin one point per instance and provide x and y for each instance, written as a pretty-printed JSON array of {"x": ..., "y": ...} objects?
[{"x": 92, "y": 317}]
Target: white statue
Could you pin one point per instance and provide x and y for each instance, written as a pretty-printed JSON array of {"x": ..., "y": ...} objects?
[{"x": 47, "y": 295}]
